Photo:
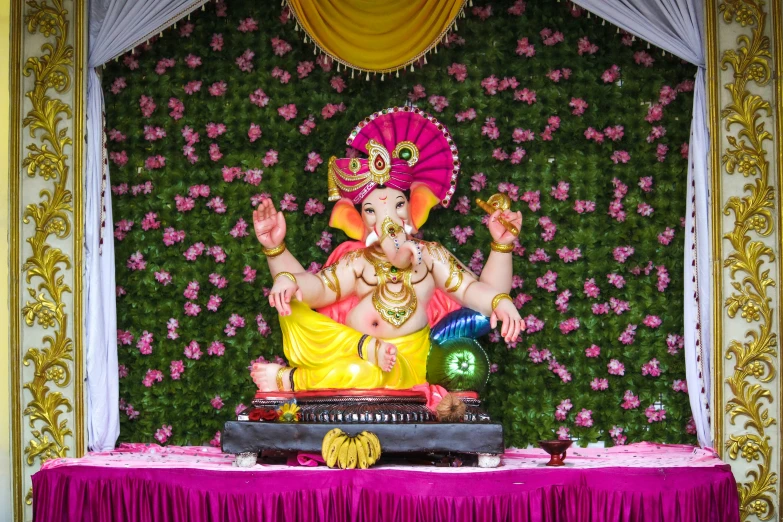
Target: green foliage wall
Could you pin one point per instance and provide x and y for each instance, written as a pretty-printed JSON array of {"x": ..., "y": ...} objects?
[{"x": 179, "y": 386}]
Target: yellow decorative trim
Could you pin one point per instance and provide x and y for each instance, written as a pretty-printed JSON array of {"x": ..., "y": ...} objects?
[
  {"x": 753, "y": 215},
  {"x": 48, "y": 270}
]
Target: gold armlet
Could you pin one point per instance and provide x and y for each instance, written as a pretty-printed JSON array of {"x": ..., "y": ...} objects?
[
  {"x": 454, "y": 281},
  {"x": 497, "y": 247},
  {"x": 496, "y": 300},
  {"x": 279, "y": 378},
  {"x": 275, "y": 251},
  {"x": 289, "y": 275},
  {"x": 330, "y": 280}
]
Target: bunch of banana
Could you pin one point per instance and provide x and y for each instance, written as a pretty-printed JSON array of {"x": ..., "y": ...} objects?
[{"x": 360, "y": 451}]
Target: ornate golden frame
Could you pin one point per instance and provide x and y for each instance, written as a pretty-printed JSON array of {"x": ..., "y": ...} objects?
[
  {"x": 750, "y": 385},
  {"x": 55, "y": 154}
]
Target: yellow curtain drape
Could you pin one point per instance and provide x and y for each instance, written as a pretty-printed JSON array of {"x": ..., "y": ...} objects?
[{"x": 376, "y": 35}]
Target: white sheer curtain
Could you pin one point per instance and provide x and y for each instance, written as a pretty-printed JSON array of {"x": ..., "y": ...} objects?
[
  {"x": 677, "y": 26},
  {"x": 115, "y": 27}
]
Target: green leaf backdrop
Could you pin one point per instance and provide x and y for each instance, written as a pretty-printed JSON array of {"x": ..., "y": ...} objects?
[{"x": 544, "y": 386}]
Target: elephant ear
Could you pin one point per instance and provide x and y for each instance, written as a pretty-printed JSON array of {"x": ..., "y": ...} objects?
[
  {"x": 347, "y": 218},
  {"x": 422, "y": 201}
]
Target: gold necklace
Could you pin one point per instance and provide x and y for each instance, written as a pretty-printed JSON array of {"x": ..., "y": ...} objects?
[{"x": 394, "y": 307}]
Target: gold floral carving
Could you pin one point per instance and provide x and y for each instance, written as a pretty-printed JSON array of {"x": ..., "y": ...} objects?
[
  {"x": 749, "y": 260},
  {"x": 44, "y": 268}
]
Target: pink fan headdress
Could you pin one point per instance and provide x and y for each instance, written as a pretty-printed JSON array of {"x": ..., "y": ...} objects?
[{"x": 404, "y": 146}]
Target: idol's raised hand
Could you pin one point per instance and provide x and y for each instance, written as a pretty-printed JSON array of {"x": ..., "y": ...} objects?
[
  {"x": 498, "y": 231},
  {"x": 269, "y": 224}
]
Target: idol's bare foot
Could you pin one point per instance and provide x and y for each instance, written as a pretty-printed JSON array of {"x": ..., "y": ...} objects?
[
  {"x": 265, "y": 377},
  {"x": 384, "y": 355}
]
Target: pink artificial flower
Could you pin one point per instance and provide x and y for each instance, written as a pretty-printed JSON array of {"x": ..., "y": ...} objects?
[
  {"x": 568, "y": 255},
  {"x": 476, "y": 261},
  {"x": 599, "y": 384},
  {"x": 666, "y": 236},
  {"x": 525, "y": 48},
  {"x": 163, "y": 64},
  {"x": 466, "y": 115},
  {"x": 551, "y": 37},
  {"x": 254, "y": 133},
  {"x": 307, "y": 126},
  {"x": 192, "y": 309},
  {"x": 654, "y": 414},
  {"x": 163, "y": 277},
  {"x": 490, "y": 130},
  {"x": 584, "y": 418},
  {"x": 660, "y": 152},
  {"x": 680, "y": 386},
  {"x": 118, "y": 85},
  {"x": 119, "y": 158},
  {"x": 330, "y": 109},
  {"x": 151, "y": 377},
  {"x": 176, "y": 369},
  {"x": 615, "y": 133},
  {"x": 596, "y": 136},
  {"x": 582, "y": 207},
  {"x": 136, "y": 262},
  {"x": 630, "y": 401},
  {"x": 417, "y": 93},
  {"x": 585, "y": 47},
  {"x": 652, "y": 321},
  {"x": 270, "y": 158},
  {"x": 561, "y": 191},
  {"x": 249, "y": 274},
  {"x": 191, "y": 292},
  {"x": 281, "y": 74},
  {"x": 248, "y": 25},
  {"x": 215, "y": 442},
  {"x": 216, "y": 402},
  {"x": 538, "y": 256},
  {"x": 593, "y": 351},
  {"x": 654, "y": 113},
  {"x": 628, "y": 335},
  {"x": 217, "y": 205},
  {"x": 461, "y": 234},
  {"x": 562, "y": 409},
  {"x": 458, "y": 71},
  {"x": 193, "y": 350},
  {"x": 591, "y": 289},
  {"x": 288, "y": 112},
  {"x": 620, "y": 156},
  {"x": 548, "y": 281},
  {"x": 218, "y": 88},
  {"x": 643, "y": 58},
  {"x": 579, "y": 106},
  {"x": 163, "y": 434},
  {"x": 216, "y": 349},
  {"x": 280, "y": 47},
  {"x": 217, "y": 42},
  {"x": 517, "y": 156},
  {"x": 177, "y": 108},
  {"x": 490, "y": 85},
  {"x": 651, "y": 368},
  {"x": 569, "y": 325},
  {"x": 549, "y": 228},
  {"x": 192, "y": 61},
  {"x": 663, "y": 278},
  {"x": 338, "y": 84},
  {"x": 303, "y": 69},
  {"x": 616, "y": 280},
  {"x": 313, "y": 160},
  {"x": 438, "y": 103},
  {"x": 562, "y": 433},
  {"x": 478, "y": 181},
  {"x": 611, "y": 75},
  {"x": 259, "y": 98},
  {"x": 615, "y": 367},
  {"x": 288, "y": 203}
]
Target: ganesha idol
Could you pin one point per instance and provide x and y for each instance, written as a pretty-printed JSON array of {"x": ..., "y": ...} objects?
[{"x": 379, "y": 316}]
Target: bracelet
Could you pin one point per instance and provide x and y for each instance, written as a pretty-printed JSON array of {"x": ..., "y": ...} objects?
[
  {"x": 498, "y": 247},
  {"x": 289, "y": 275},
  {"x": 496, "y": 300},
  {"x": 275, "y": 251},
  {"x": 279, "y": 378},
  {"x": 361, "y": 343}
]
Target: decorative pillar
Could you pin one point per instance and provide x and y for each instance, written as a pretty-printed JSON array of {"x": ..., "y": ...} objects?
[
  {"x": 744, "y": 62},
  {"x": 47, "y": 148}
]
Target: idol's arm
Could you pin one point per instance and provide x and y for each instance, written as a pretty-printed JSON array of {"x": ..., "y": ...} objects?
[
  {"x": 326, "y": 287},
  {"x": 499, "y": 268},
  {"x": 270, "y": 228},
  {"x": 498, "y": 271},
  {"x": 472, "y": 293}
]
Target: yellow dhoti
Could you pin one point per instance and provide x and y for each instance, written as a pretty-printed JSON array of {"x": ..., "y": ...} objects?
[{"x": 325, "y": 354}]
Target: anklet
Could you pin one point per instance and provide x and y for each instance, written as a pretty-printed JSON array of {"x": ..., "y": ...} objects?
[
  {"x": 377, "y": 344},
  {"x": 361, "y": 343},
  {"x": 279, "y": 379}
]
